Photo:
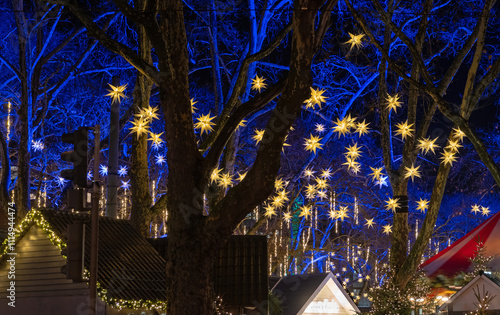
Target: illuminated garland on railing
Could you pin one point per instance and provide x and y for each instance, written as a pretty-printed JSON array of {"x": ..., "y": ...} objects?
[{"x": 36, "y": 217}]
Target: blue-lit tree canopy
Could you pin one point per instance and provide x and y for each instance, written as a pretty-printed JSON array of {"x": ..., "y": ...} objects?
[{"x": 357, "y": 135}]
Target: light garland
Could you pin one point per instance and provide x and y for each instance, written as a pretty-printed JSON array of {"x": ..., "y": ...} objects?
[{"x": 36, "y": 217}]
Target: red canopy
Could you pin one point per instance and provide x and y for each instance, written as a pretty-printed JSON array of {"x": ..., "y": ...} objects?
[{"x": 455, "y": 258}]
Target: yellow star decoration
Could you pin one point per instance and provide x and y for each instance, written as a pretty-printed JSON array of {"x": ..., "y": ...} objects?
[
  {"x": 192, "y": 105},
  {"x": 205, "y": 123},
  {"x": 392, "y": 204},
  {"x": 279, "y": 184},
  {"x": 313, "y": 143},
  {"x": 404, "y": 130},
  {"x": 305, "y": 211},
  {"x": 116, "y": 92},
  {"x": 242, "y": 124},
  {"x": 140, "y": 126},
  {"x": 215, "y": 175},
  {"x": 225, "y": 181},
  {"x": 309, "y": 173},
  {"x": 393, "y": 102},
  {"x": 326, "y": 173},
  {"x": 342, "y": 213},
  {"x": 259, "y": 134},
  {"x": 422, "y": 204},
  {"x": 269, "y": 211},
  {"x": 453, "y": 145},
  {"x": 475, "y": 209},
  {"x": 376, "y": 173},
  {"x": 353, "y": 151},
  {"x": 369, "y": 223},
  {"x": 321, "y": 183},
  {"x": 155, "y": 137},
  {"x": 258, "y": 83},
  {"x": 412, "y": 172},
  {"x": 148, "y": 114},
  {"x": 332, "y": 214},
  {"x": 287, "y": 216},
  {"x": 459, "y": 134},
  {"x": 362, "y": 128},
  {"x": 355, "y": 40},
  {"x": 321, "y": 194},
  {"x": 341, "y": 126},
  {"x": 320, "y": 128},
  {"x": 310, "y": 191},
  {"x": 317, "y": 98},
  {"x": 352, "y": 165},
  {"x": 427, "y": 144},
  {"x": 241, "y": 176},
  {"x": 387, "y": 229},
  {"x": 485, "y": 210},
  {"x": 448, "y": 157}
]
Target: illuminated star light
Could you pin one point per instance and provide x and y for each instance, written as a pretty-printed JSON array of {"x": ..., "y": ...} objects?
[
  {"x": 427, "y": 144},
  {"x": 103, "y": 170},
  {"x": 320, "y": 128},
  {"x": 309, "y": 173},
  {"x": 458, "y": 134},
  {"x": 116, "y": 92},
  {"x": 90, "y": 175},
  {"x": 362, "y": 128},
  {"x": 353, "y": 151},
  {"x": 160, "y": 159},
  {"x": 317, "y": 98},
  {"x": 205, "y": 123},
  {"x": 342, "y": 213},
  {"x": 321, "y": 194},
  {"x": 369, "y": 222},
  {"x": 392, "y": 204},
  {"x": 321, "y": 183},
  {"x": 269, "y": 211},
  {"x": 313, "y": 143},
  {"x": 278, "y": 184},
  {"x": 139, "y": 127},
  {"x": 475, "y": 209},
  {"x": 305, "y": 211},
  {"x": 376, "y": 173},
  {"x": 393, "y": 102},
  {"x": 485, "y": 210},
  {"x": 125, "y": 184},
  {"x": 326, "y": 173},
  {"x": 215, "y": 175},
  {"x": 148, "y": 114},
  {"x": 352, "y": 165},
  {"x": 332, "y": 214},
  {"x": 448, "y": 157},
  {"x": 242, "y": 124},
  {"x": 157, "y": 141},
  {"x": 122, "y": 171},
  {"x": 310, "y": 191},
  {"x": 258, "y": 83},
  {"x": 341, "y": 126},
  {"x": 259, "y": 134},
  {"x": 37, "y": 145},
  {"x": 355, "y": 40},
  {"x": 412, "y": 172},
  {"x": 225, "y": 180},
  {"x": 404, "y": 130},
  {"x": 387, "y": 229},
  {"x": 453, "y": 145},
  {"x": 287, "y": 216},
  {"x": 422, "y": 204},
  {"x": 382, "y": 181}
]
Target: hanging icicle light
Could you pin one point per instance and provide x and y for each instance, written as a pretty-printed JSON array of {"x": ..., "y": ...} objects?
[{"x": 356, "y": 211}]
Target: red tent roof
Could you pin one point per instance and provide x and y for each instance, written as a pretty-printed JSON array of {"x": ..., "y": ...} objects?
[{"x": 455, "y": 258}]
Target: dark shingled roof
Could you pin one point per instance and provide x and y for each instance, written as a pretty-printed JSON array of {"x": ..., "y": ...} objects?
[
  {"x": 294, "y": 291},
  {"x": 129, "y": 267}
]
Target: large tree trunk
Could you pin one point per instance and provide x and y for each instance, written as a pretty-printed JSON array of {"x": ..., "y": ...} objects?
[{"x": 139, "y": 170}]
